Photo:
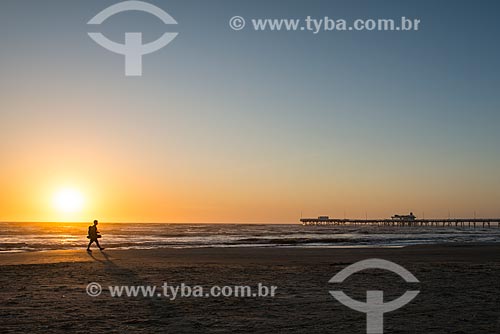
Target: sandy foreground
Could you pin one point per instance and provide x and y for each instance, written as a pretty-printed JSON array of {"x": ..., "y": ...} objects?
[{"x": 45, "y": 292}]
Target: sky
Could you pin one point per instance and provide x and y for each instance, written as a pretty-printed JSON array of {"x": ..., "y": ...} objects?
[{"x": 250, "y": 126}]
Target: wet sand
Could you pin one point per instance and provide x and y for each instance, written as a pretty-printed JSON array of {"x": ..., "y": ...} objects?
[{"x": 45, "y": 292}]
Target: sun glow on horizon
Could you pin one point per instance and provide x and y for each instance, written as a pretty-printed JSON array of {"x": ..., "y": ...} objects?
[{"x": 68, "y": 200}]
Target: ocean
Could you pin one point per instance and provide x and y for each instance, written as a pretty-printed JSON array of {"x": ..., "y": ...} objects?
[{"x": 28, "y": 237}]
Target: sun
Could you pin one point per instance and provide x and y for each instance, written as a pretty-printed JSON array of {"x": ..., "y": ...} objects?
[{"x": 68, "y": 200}]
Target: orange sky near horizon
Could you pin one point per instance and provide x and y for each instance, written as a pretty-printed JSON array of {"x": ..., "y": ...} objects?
[{"x": 115, "y": 188}]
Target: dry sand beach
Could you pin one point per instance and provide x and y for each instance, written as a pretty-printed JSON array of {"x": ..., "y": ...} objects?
[{"x": 45, "y": 292}]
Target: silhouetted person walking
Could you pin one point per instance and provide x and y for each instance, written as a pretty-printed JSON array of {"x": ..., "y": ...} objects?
[{"x": 93, "y": 236}]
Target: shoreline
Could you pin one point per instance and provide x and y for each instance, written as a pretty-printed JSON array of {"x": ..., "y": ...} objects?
[{"x": 451, "y": 251}]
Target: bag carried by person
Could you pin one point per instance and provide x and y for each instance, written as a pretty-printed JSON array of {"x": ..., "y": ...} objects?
[{"x": 92, "y": 234}]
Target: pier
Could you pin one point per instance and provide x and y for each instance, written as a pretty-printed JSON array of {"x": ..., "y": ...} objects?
[{"x": 449, "y": 222}]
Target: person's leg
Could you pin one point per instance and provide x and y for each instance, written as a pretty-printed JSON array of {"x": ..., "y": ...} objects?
[
  {"x": 90, "y": 243},
  {"x": 97, "y": 243}
]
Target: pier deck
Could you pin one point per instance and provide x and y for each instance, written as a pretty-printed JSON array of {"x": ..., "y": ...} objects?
[{"x": 456, "y": 222}]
